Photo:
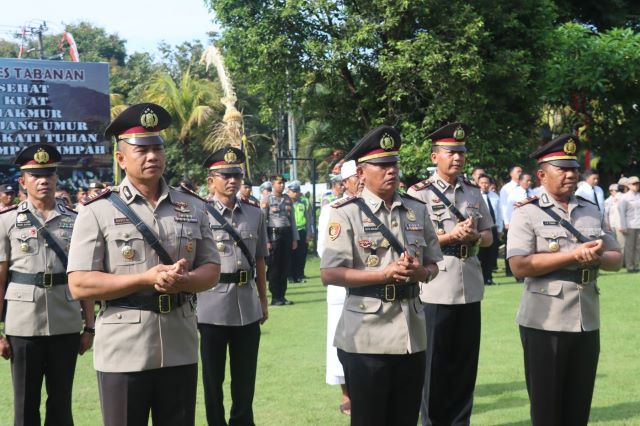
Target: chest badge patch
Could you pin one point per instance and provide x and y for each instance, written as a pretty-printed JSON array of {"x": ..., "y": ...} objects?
[
  {"x": 334, "y": 230},
  {"x": 411, "y": 215}
]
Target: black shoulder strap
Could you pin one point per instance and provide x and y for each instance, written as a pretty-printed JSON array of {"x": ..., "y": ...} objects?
[
  {"x": 565, "y": 224},
  {"x": 147, "y": 233},
  {"x": 48, "y": 238},
  {"x": 446, "y": 202},
  {"x": 225, "y": 225},
  {"x": 385, "y": 231}
]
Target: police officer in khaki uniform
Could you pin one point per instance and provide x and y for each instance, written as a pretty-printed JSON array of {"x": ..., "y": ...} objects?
[
  {"x": 379, "y": 245},
  {"x": 559, "y": 310},
  {"x": 230, "y": 314},
  {"x": 43, "y": 322},
  {"x": 146, "y": 347},
  {"x": 463, "y": 224},
  {"x": 282, "y": 233}
]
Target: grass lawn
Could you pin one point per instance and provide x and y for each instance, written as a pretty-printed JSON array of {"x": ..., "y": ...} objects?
[{"x": 291, "y": 388}]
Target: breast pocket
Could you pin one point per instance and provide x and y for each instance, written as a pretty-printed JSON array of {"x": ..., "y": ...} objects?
[
  {"x": 188, "y": 236},
  {"x": 416, "y": 245},
  {"x": 552, "y": 288},
  {"x": 224, "y": 243},
  {"x": 126, "y": 246},
  {"x": 552, "y": 240},
  {"x": 20, "y": 293},
  {"x": 250, "y": 239},
  {"x": 65, "y": 239}
]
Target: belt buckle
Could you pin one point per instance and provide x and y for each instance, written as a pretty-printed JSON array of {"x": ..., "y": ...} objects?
[
  {"x": 244, "y": 275},
  {"x": 464, "y": 251},
  {"x": 586, "y": 276},
  {"x": 393, "y": 292},
  {"x": 164, "y": 303},
  {"x": 47, "y": 280}
]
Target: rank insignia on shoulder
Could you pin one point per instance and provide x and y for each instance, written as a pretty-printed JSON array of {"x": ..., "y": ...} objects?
[
  {"x": 250, "y": 202},
  {"x": 526, "y": 201},
  {"x": 409, "y": 197},
  {"x": 183, "y": 188},
  {"x": 421, "y": 185},
  {"x": 9, "y": 208},
  {"x": 342, "y": 201},
  {"x": 95, "y": 196},
  {"x": 468, "y": 182}
]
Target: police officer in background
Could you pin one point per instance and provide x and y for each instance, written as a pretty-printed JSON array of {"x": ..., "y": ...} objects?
[
  {"x": 559, "y": 309},
  {"x": 463, "y": 224},
  {"x": 282, "y": 233},
  {"x": 230, "y": 314},
  {"x": 42, "y": 322},
  {"x": 7, "y": 194},
  {"x": 380, "y": 245},
  {"x": 302, "y": 212},
  {"x": 146, "y": 348},
  {"x": 245, "y": 191}
]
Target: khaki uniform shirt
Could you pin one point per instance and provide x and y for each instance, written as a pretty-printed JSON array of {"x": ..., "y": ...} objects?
[
  {"x": 460, "y": 280},
  {"x": 278, "y": 212},
  {"x": 550, "y": 304},
  {"x": 369, "y": 325},
  {"x": 32, "y": 310},
  {"x": 629, "y": 208},
  {"x": 129, "y": 339},
  {"x": 235, "y": 304}
]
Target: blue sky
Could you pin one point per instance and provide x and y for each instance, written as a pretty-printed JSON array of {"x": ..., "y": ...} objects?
[{"x": 142, "y": 23}]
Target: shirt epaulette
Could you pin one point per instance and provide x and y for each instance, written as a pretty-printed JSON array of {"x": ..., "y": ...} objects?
[
  {"x": 250, "y": 202},
  {"x": 342, "y": 201},
  {"x": 96, "y": 196},
  {"x": 411, "y": 198},
  {"x": 526, "y": 201},
  {"x": 184, "y": 189},
  {"x": 468, "y": 182},
  {"x": 422, "y": 185},
  {"x": 9, "y": 208},
  {"x": 585, "y": 199},
  {"x": 64, "y": 208}
]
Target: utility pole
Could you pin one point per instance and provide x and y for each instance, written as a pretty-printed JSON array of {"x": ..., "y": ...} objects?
[{"x": 38, "y": 31}]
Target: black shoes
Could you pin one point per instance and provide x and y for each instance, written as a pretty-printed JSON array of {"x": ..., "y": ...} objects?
[
  {"x": 489, "y": 282},
  {"x": 281, "y": 302}
]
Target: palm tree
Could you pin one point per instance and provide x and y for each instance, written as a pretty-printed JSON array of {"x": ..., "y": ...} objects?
[{"x": 190, "y": 102}]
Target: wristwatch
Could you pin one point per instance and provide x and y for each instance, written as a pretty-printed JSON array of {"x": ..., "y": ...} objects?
[{"x": 90, "y": 330}]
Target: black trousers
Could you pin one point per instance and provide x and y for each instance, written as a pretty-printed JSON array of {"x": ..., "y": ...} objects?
[
  {"x": 488, "y": 256},
  {"x": 453, "y": 346},
  {"x": 52, "y": 358},
  {"x": 279, "y": 260},
  {"x": 169, "y": 393},
  {"x": 299, "y": 258},
  {"x": 243, "y": 342},
  {"x": 560, "y": 369},
  {"x": 384, "y": 389},
  {"x": 507, "y": 268}
]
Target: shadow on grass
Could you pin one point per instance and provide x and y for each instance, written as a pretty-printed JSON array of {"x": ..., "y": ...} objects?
[
  {"x": 490, "y": 389},
  {"x": 295, "y": 290},
  {"x": 622, "y": 411}
]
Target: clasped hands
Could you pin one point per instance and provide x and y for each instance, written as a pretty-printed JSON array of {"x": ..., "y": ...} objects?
[
  {"x": 405, "y": 270},
  {"x": 170, "y": 279},
  {"x": 465, "y": 231},
  {"x": 588, "y": 254}
]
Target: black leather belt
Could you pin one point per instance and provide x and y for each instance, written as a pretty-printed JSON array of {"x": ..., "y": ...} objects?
[
  {"x": 158, "y": 303},
  {"x": 580, "y": 276},
  {"x": 461, "y": 251},
  {"x": 41, "y": 279},
  {"x": 387, "y": 292},
  {"x": 240, "y": 277}
]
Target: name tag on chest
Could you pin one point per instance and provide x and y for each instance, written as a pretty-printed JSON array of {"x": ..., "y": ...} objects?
[
  {"x": 413, "y": 227},
  {"x": 189, "y": 218}
]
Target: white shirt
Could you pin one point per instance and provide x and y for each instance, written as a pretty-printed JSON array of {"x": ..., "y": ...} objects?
[
  {"x": 611, "y": 212},
  {"x": 629, "y": 206},
  {"x": 593, "y": 194},
  {"x": 504, "y": 197},
  {"x": 494, "y": 199},
  {"x": 517, "y": 194}
]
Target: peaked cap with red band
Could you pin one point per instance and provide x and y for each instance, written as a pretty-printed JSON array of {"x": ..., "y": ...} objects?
[
  {"x": 451, "y": 137},
  {"x": 227, "y": 160},
  {"x": 380, "y": 145},
  {"x": 560, "y": 152},
  {"x": 140, "y": 124},
  {"x": 39, "y": 159}
]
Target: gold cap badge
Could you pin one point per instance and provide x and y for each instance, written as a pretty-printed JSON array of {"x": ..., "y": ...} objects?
[
  {"x": 148, "y": 118},
  {"x": 230, "y": 157},
  {"x": 386, "y": 142},
  {"x": 570, "y": 147},
  {"x": 458, "y": 134},
  {"x": 41, "y": 156}
]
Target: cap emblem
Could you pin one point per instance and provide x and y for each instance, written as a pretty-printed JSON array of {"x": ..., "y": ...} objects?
[
  {"x": 230, "y": 157},
  {"x": 41, "y": 156},
  {"x": 386, "y": 142},
  {"x": 459, "y": 134},
  {"x": 570, "y": 147},
  {"x": 148, "y": 118}
]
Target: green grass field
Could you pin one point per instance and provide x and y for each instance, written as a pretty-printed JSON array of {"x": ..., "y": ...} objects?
[{"x": 291, "y": 388}]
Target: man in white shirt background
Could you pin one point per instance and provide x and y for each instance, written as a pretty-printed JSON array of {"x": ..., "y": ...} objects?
[
  {"x": 590, "y": 191},
  {"x": 514, "y": 173},
  {"x": 488, "y": 256}
]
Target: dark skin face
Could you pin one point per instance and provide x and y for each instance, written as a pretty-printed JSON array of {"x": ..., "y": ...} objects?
[
  {"x": 449, "y": 163},
  {"x": 143, "y": 163},
  {"x": 380, "y": 178},
  {"x": 39, "y": 187},
  {"x": 560, "y": 182},
  {"x": 245, "y": 191},
  {"x": 224, "y": 184},
  {"x": 484, "y": 184}
]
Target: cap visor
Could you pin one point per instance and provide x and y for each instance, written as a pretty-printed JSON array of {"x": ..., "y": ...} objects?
[
  {"x": 453, "y": 148},
  {"x": 228, "y": 170},
  {"x": 149, "y": 140},
  {"x": 573, "y": 164},
  {"x": 382, "y": 160},
  {"x": 41, "y": 172}
]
